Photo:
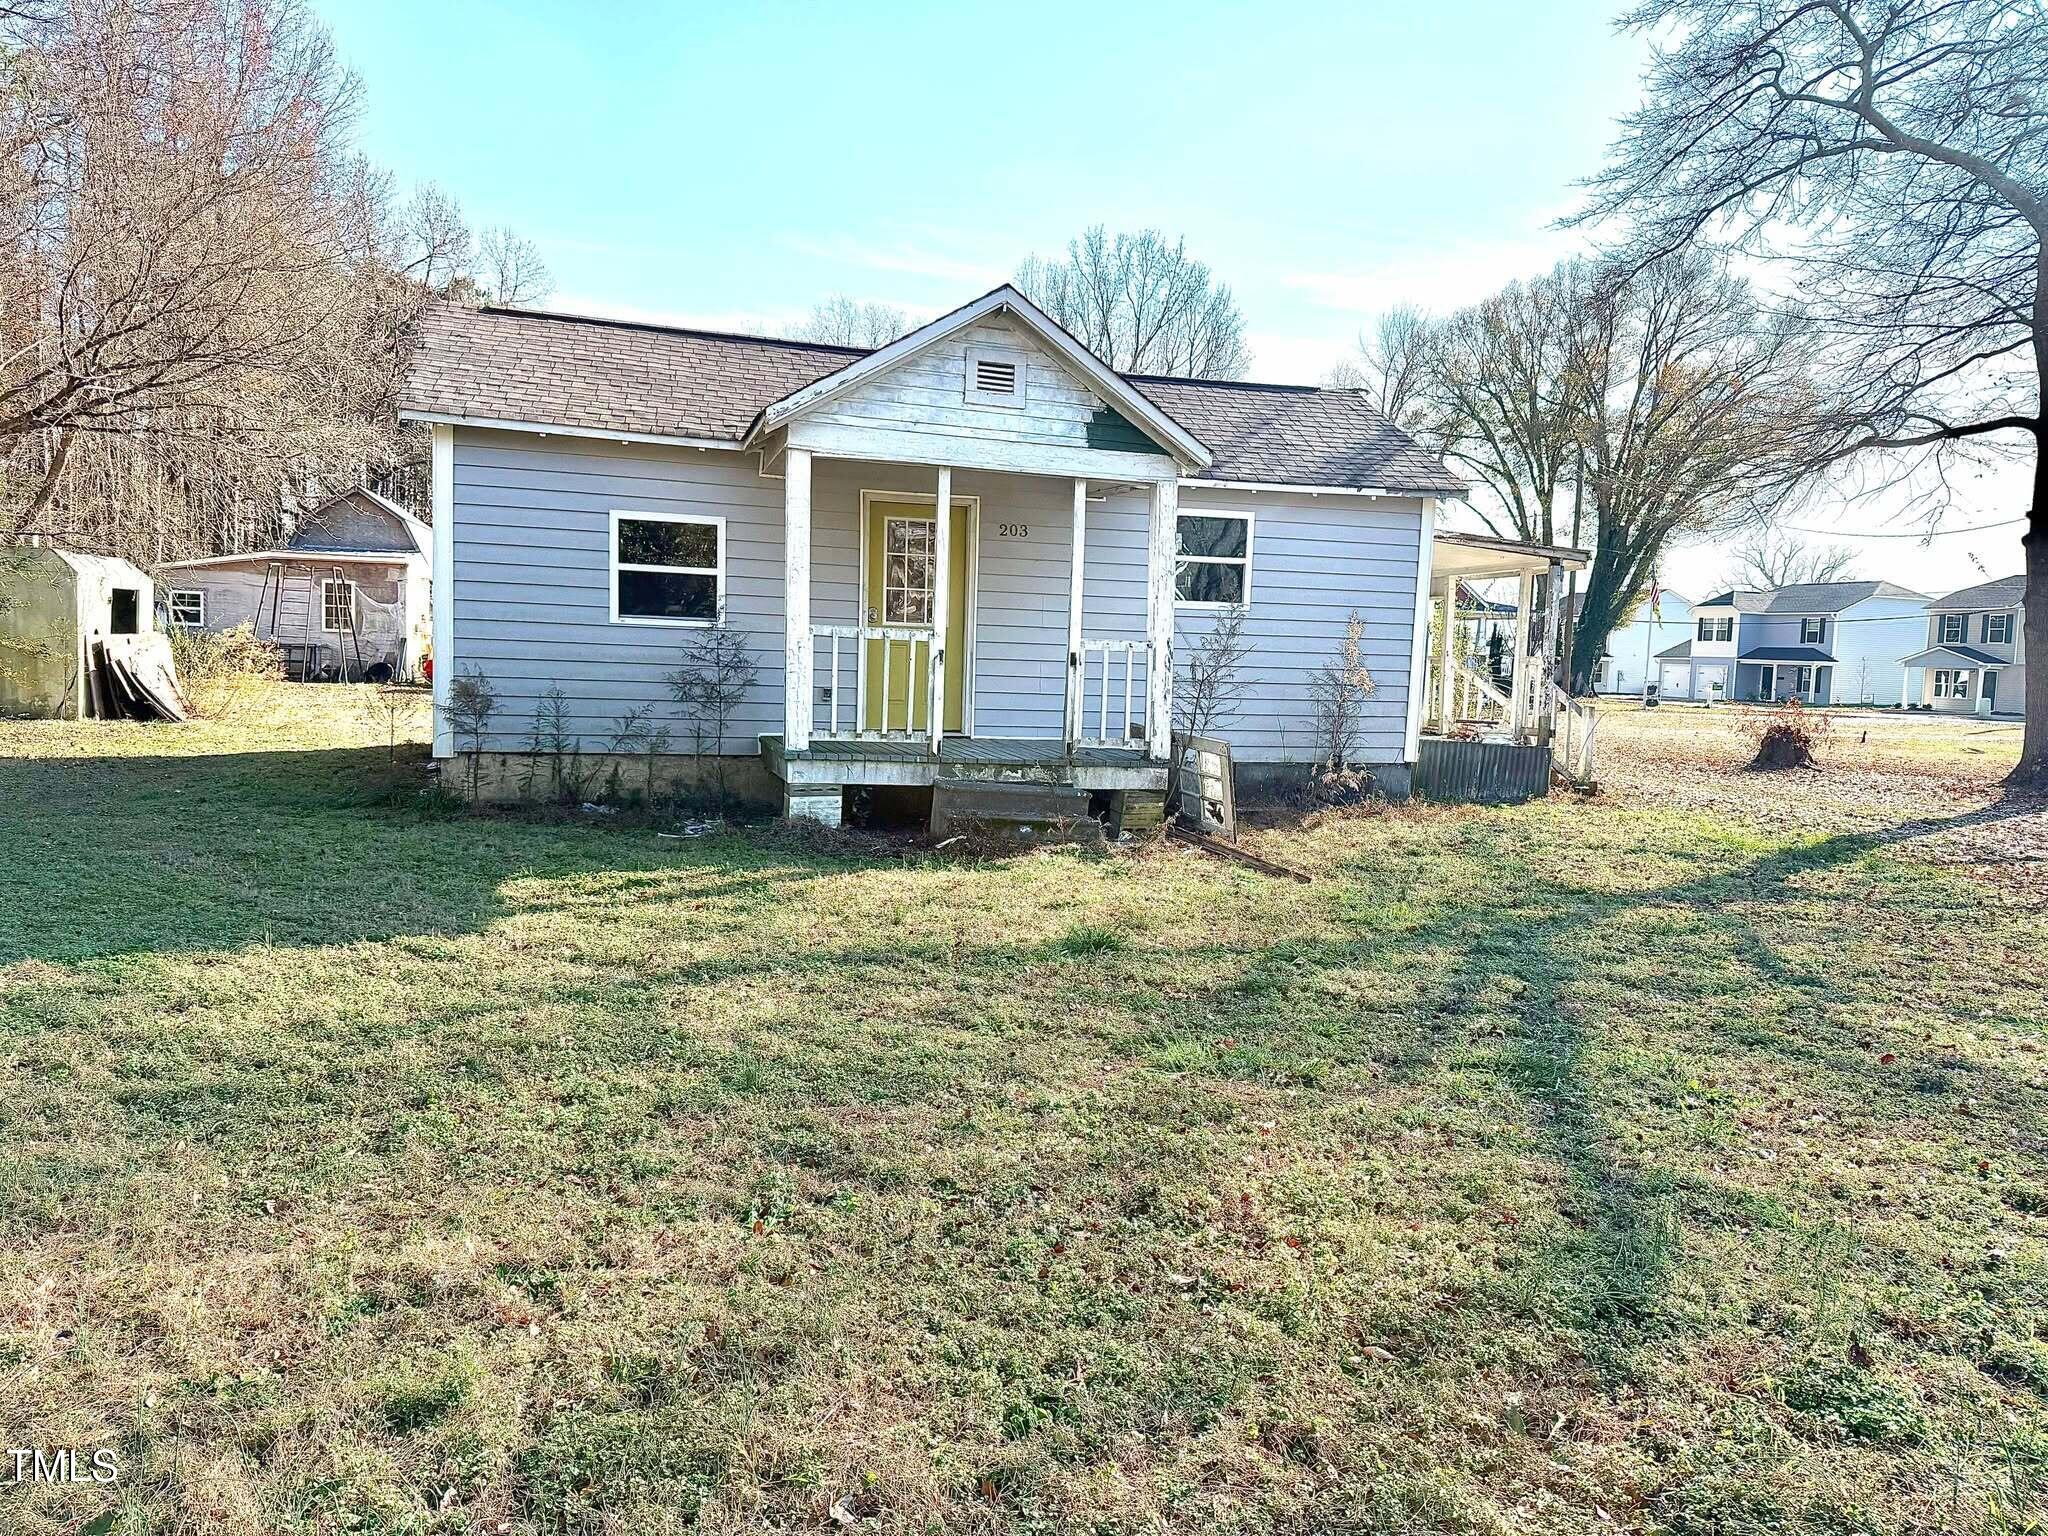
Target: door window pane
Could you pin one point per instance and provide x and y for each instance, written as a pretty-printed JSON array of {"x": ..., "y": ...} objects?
[{"x": 908, "y": 574}]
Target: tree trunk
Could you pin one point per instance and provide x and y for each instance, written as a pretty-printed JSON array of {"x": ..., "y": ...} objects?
[
  {"x": 52, "y": 478},
  {"x": 2032, "y": 773}
]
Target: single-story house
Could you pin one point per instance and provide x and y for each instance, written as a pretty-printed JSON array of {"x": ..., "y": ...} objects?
[
  {"x": 1822, "y": 642},
  {"x": 604, "y": 492},
  {"x": 1975, "y": 657},
  {"x": 347, "y": 597},
  {"x": 54, "y": 603}
]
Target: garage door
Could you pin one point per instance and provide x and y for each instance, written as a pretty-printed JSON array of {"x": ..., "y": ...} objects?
[
  {"x": 1676, "y": 682},
  {"x": 1713, "y": 682}
]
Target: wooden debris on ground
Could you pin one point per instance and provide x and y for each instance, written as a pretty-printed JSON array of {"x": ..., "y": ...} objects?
[
  {"x": 133, "y": 678},
  {"x": 1215, "y": 847}
]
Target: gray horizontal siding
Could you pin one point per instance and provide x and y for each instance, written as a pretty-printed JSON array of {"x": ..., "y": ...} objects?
[
  {"x": 532, "y": 563},
  {"x": 1314, "y": 561},
  {"x": 532, "y": 610}
]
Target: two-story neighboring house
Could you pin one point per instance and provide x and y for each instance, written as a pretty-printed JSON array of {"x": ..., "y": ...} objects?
[
  {"x": 1826, "y": 642},
  {"x": 1975, "y": 660},
  {"x": 1630, "y": 657}
]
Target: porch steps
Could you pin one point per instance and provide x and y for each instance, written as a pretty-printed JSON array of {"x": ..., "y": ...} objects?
[{"x": 1024, "y": 812}]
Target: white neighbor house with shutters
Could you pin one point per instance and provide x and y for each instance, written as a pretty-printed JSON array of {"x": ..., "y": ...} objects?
[
  {"x": 1974, "y": 662},
  {"x": 604, "y": 490},
  {"x": 1822, "y": 642}
]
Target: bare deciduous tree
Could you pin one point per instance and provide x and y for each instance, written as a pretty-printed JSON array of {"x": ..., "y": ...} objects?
[
  {"x": 205, "y": 294},
  {"x": 1768, "y": 558},
  {"x": 1890, "y": 158},
  {"x": 510, "y": 269},
  {"x": 1393, "y": 365},
  {"x": 841, "y": 322},
  {"x": 1141, "y": 304},
  {"x": 718, "y": 671},
  {"x": 1695, "y": 397}
]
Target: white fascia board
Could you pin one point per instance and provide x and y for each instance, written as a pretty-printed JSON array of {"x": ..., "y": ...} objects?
[
  {"x": 1303, "y": 490},
  {"x": 550, "y": 429},
  {"x": 1159, "y": 426}
]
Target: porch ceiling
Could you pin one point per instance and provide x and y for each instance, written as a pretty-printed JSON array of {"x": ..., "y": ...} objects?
[{"x": 1478, "y": 557}]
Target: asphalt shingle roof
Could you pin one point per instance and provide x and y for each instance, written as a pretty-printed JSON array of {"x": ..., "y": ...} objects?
[
  {"x": 2005, "y": 592},
  {"x": 1785, "y": 653},
  {"x": 1811, "y": 597},
  {"x": 618, "y": 376}
]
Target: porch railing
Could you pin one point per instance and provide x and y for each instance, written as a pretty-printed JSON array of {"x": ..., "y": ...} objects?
[
  {"x": 902, "y": 657},
  {"x": 1114, "y": 676}
]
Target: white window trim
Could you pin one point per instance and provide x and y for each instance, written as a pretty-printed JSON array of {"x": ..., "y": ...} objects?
[
  {"x": 1700, "y": 625},
  {"x": 1962, "y": 635},
  {"x": 1816, "y": 623},
  {"x": 171, "y": 608},
  {"x": 2004, "y": 620},
  {"x": 613, "y": 565},
  {"x": 327, "y": 583},
  {"x": 1016, "y": 358},
  {"x": 1243, "y": 514}
]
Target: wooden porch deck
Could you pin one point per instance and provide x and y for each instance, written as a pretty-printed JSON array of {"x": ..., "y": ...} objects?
[{"x": 1027, "y": 759}]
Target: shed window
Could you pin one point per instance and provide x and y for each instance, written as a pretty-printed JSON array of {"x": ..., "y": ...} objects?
[
  {"x": 1955, "y": 628},
  {"x": 1812, "y": 631},
  {"x": 337, "y": 606},
  {"x": 667, "y": 568},
  {"x": 124, "y": 611},
  {"x": 1213, "y": 559},
  {"x": 1998, "y": 629},
  {"x": 1717, "y": 629},
  {"x": 187, "y": 608}
]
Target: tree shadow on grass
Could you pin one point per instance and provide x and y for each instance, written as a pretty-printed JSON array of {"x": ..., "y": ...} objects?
[{"x": 188, "y": 854}]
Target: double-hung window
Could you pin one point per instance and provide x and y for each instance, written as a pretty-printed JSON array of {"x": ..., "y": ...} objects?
[
  {"x": 1716, "y": 630},
  {"x": 1213, "y": 559},
  {"x": 1812, "y": 631},
  {"x": 1998, "y": 629},
  {"x": 337, "y": 606},
  {"x": 667, "y": 568},
  {"x": 1951, "y": 684},
  {"x": 186, "y": 609},
  {"x": 1955, "y": 628}
]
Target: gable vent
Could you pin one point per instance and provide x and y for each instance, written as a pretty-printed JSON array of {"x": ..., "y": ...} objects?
[{"x": 994, "y": 376}]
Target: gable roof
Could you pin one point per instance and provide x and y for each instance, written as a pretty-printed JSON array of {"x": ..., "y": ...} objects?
[
  {"x": 1954, "y": 656},
  {"x": 1811, "y": 597},
  {"x": 408, "y": 534},
  {"x": 537, "y": 370},
  {"x": 2005, "y": 592},
  {"x": 1144, "y": 415}
]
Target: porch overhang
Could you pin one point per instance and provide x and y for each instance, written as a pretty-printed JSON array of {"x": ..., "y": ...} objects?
[
  {"x": 1481, "y": 557},
  {"x": 1964, "y": 657}
]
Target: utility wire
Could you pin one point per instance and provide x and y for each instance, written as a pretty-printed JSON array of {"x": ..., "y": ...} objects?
[{"x": 1932, "y": 533}]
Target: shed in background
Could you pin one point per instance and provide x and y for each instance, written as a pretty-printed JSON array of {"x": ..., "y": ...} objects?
[{"x": 54, "y": 603}]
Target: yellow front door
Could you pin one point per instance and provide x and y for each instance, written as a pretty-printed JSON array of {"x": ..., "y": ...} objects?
[{"x": 896, "y": 593}]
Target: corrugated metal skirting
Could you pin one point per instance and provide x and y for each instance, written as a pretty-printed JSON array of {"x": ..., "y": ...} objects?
[{"x": 1481, "y": 772}]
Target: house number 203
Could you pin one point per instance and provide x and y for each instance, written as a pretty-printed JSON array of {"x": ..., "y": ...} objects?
[{"x": 1013, "y": 530}]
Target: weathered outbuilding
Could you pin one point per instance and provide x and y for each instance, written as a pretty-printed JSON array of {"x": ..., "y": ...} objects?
[{"x": 54, "y": 603}]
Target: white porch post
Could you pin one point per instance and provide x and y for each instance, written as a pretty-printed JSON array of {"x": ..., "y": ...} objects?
[
  {"x": 443, "y": 492},
  {"x": 1525, "y": 599},
  {"x": 1074, "y": 613},
  {"x": 1446, "y": 655},
  {"x": 1159, "y": 620},
  {"x": 796, "y": 600},
  {"x": 942, "y": 598},
  {"x": 1905, "y": 687},
  {"x": 1553, "y": 636}
]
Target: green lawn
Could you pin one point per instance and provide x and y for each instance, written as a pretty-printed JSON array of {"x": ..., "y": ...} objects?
[{"x": 1578, "y": 1167}]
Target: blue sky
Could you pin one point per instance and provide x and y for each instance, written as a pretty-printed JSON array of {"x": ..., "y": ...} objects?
[{"x": 729, "y": 166}]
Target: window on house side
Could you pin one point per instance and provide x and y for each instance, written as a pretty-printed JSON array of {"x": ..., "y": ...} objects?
[
  {"x": 1955, "y": 628},
  {"x": 186, "y": 609},
  {"x": 1715, "y": 630},
  {"x": 1213, "y": 559},
  {"x": 337, "y": 606},
  {"x": 667, "y": 568},
  {"x": 1998, "y": 629},
  {"x": 1812, "y": 631}
]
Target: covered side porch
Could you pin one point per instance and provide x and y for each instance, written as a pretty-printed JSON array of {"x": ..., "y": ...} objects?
[
  {"x": 1952, "y": 679},
  {"x": 1022, "y": 637},
  {"x": 1481, "y": 740}
]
